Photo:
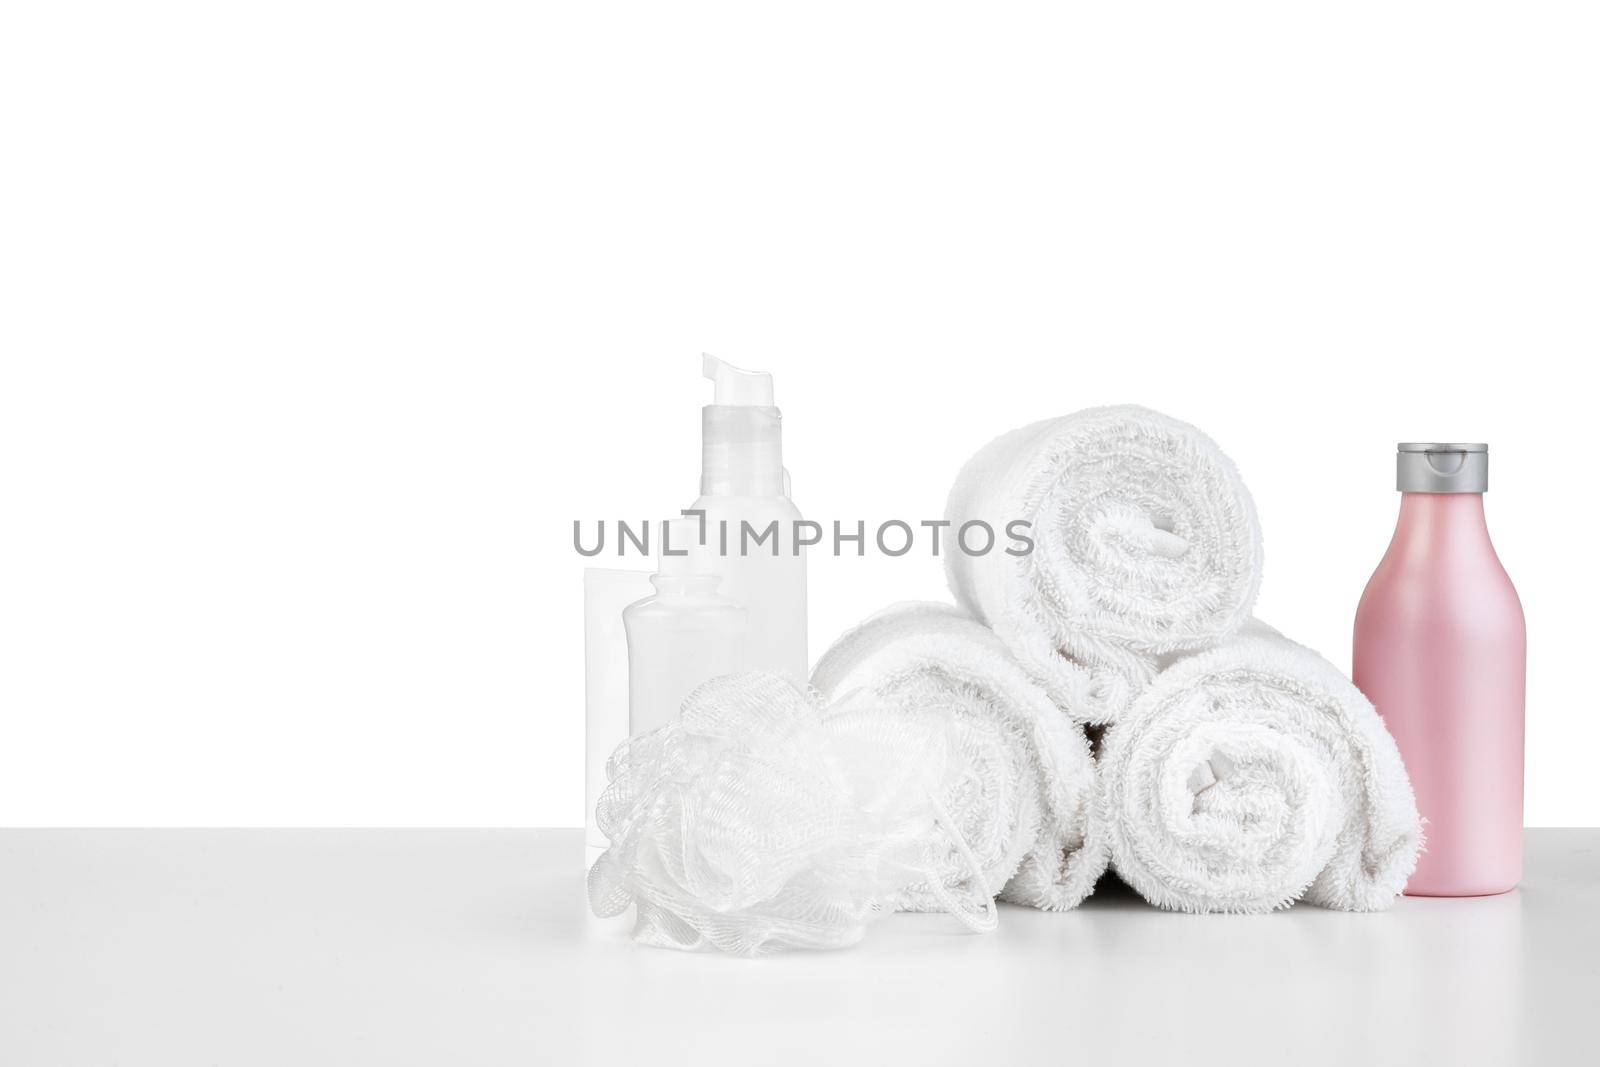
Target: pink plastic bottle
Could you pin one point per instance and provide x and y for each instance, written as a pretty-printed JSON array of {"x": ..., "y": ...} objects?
[{"x": 1441, "y": 649}]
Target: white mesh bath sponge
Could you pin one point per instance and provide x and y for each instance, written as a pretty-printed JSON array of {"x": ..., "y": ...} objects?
[{"x": 759, "y": 821}]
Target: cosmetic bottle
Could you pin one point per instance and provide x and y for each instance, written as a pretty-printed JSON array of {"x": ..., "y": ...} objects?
[
  {"x": 606, "y": 595},
  {"x": 684, "y": 635},
  {"x": 1441, "y": 650},
  {"x": 749, "y": 520}
]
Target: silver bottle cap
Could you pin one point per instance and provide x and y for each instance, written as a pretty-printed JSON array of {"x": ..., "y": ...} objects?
[{"x": 1442, "y": 468}]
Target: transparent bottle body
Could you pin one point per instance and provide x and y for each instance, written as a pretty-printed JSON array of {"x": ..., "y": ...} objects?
[
  {"x": 767, "y": 576},
  {"x": 678, "y": 640}
]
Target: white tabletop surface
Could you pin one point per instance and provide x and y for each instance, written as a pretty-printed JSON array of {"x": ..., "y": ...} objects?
[{"x": 464, "y": 947}]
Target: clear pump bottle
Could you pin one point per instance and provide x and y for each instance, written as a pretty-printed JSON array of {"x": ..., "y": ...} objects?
[
  {"x": 684, "y": 635},
  {"x": 744, "y": 487}
]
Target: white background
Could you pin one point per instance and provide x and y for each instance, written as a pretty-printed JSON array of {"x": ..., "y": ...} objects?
[{"x": 321, "y": 323}]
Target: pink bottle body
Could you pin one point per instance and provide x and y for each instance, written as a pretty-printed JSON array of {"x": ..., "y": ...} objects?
[{"x": 1441, "y": 650}]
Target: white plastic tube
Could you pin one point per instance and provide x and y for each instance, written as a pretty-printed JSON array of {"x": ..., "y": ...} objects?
[{"x": 605, "y": 670}]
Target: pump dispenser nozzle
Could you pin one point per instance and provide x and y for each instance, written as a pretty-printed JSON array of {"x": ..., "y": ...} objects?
[
  {"x": 742, "y": 388},
  {"x": 741, "y": 434}
]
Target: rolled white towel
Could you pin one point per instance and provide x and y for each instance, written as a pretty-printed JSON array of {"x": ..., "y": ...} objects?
[
  {"x": 1145, "y": 542},
  {"x": 1024, "y": 802},
  {"x": 1250, "y": 774}
]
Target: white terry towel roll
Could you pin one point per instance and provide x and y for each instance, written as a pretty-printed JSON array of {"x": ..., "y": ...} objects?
[
  {"x": 1145, "y": 543},
  {"x": 1250, "y": 774},
  {"x": 1024, "y": 802}
]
